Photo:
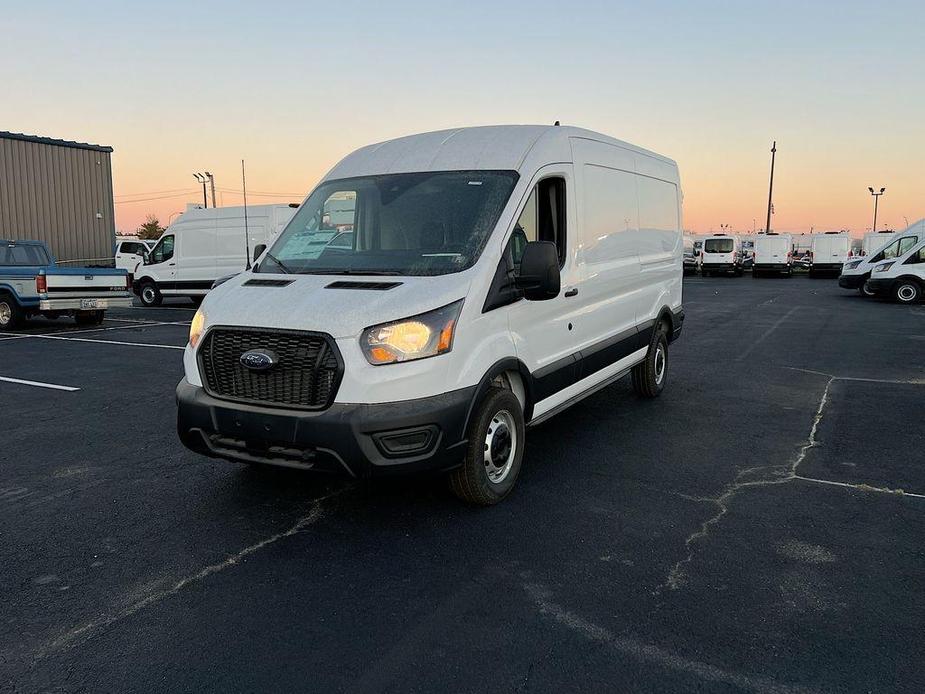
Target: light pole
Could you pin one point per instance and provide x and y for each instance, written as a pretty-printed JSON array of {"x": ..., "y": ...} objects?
[
  {"x": 767, "y": 227},
  {"x": 202, "y": 179},
  {"x": 876, "y": 200},
  {"x": 212, "y": 182}
]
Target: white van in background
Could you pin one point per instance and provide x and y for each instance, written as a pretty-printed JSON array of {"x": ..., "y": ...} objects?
[
  {"x": 875, "y": 240},
  {"x": 773, "y": 253},
  {"x": 721, "y": 254},
  {"x": 490, "y": 278},
  {"x": 857, "y": 271},
  {"x": 901, "y": 279},
  {"x": 828, "y": 252},
  {"x": 203, "y": 245}
]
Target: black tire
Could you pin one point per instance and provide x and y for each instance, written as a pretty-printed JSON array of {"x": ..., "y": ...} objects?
[
  {"x": 10, "y": 313},
  {"x": 864, "y": 291},
  {"x": 89, "y": 317},
  {"x": 906, "y": 291},
  {"x": 149, "y": 294},
  {"x": 651, "y": 375},
  {"x": 491, "y": 421}
]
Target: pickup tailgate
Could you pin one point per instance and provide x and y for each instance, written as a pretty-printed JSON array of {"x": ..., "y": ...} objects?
[{"x": 83, "y": 288}]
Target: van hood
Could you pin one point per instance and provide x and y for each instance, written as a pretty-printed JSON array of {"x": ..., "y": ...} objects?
[{"x": 309, "y": 302}]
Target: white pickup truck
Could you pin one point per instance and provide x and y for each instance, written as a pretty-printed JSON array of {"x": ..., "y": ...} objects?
[{"x": 31, "y": 284}]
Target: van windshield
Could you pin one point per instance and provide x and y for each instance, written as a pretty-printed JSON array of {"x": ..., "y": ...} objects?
[
  {"x": 431, "y": 223},
  {"x": 718, "y": 245}
]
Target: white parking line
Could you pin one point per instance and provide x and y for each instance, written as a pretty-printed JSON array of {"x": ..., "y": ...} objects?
[
  {"x": 104, "y": 342},
  {"x": 38, "y": 384}
]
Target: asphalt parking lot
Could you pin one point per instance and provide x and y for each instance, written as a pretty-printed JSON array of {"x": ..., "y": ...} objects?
[{"x": 759, "y": 527}]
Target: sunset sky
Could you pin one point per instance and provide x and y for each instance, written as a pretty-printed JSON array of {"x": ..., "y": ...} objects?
[{"x": 292, "y": 87}]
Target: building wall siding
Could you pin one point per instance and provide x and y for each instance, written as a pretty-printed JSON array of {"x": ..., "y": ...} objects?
[{"x": 53, "y": 193}]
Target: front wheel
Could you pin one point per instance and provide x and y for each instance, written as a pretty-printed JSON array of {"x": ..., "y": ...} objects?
[
  {"x": 864, "y": 290},
  {"x": 495, "y": 451},
  {"x": 149, "y": 294},
  {"x": 650, "y": 375},
  {"x": 907, "y": 292}
]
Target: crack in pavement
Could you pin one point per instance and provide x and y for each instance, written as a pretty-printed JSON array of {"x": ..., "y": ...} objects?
[
  {"x": 628, "y": 646},
  {"x": 777, "y": 474},
  {"x": 86, "y": 631}
]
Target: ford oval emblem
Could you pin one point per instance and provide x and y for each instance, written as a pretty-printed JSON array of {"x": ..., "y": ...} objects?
[{"x": 259, "y": 359}]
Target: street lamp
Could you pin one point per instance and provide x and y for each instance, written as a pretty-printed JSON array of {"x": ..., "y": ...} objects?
[
  {"x": 876, "y": 200},
  {"x": 202, "y": 179},
  {"x": 725, "y": 228},
  {"x": 212, "y": 181}
]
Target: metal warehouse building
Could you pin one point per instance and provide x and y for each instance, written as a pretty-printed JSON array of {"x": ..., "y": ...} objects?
[{"x": 59, "y": 192}]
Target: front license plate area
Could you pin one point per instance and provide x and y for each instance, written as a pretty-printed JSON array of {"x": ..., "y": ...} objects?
[{"x": 255, "y": 427}]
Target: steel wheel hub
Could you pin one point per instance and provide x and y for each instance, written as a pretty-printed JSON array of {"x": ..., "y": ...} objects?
[
  {"x": 659, "y": 364},
  {"x": 906, "y": 293},
  {"x": 500, "y": 446},
  {"x": 6, "y": 313}
]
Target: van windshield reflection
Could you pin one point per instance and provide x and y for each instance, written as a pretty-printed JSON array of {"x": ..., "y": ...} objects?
[{"x": 431, "y": 223}]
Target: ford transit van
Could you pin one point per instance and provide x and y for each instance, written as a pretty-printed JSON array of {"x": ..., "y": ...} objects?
[
  {"x": 773, "y": 253},
  {"x": 856, "y": 271},
  {"x": 203, "y": 245},
  {"x": 902, "y": 278},
  {"x": 828, "y": 252},
  {"x": 477, "y": 282},
  {"x": 721, "y": 254}
]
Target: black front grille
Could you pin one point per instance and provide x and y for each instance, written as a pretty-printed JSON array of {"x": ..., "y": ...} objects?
[{"x": 306, "y": 375}]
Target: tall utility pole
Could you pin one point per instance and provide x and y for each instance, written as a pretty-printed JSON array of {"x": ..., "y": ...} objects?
[
  {"x": 876, "y": 200},
  {"x": 212, "y": 182},
  {"x": 202, "y": 179},
  {"x": 767, "y": 227}
]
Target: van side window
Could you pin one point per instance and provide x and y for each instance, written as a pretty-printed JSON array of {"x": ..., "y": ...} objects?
[
  {"x": 163, "y": 251},
  {"x": 917, "y": 257},
  {"x": 542, "y": 219},
  {"x": 906, "y": 243}
]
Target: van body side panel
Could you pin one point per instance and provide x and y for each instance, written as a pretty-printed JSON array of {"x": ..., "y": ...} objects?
[{"x": 660, "y": 245}]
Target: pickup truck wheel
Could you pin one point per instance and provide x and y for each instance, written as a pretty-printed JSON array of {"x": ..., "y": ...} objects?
[
  {"x": 149, "y": 294},
  {"x": 650, "y": 376},
  {"x": 495, "y": 450},
  {"x": 10, "y": 313},
  {"x": 89, "y": 317}
]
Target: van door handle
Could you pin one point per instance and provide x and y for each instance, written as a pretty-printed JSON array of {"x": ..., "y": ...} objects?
[
  {"x": 171, "y": 264},
  {"x": 572, "y": 292}
]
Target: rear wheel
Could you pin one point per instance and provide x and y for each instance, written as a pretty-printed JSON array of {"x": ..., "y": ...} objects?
[
  {"x": 907, "y": 291},
  {"x": 650, "y": 376},
  {"x": 495, "y": 450},
  {"x": 10, "y": 313},
  {"x": 149, "y": 294}
]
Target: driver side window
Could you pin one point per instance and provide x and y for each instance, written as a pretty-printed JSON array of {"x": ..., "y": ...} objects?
[
  {"x": 542, "y": 219},
  {"x": 163, "y": 251},
  {"x": 917, "y": 257}
]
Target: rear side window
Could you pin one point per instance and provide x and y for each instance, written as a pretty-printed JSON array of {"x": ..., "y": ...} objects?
[
  {"x": 718, "y": 245},
  {"x": 23, "y": 255}
]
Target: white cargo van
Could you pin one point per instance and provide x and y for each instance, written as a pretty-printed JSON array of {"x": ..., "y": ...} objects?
[
  {"x": 828, "y": 252},
  {"x": 874, "y": 240},
  {"x": 721, "y": 254},
  {"x": 902, "y": 279},
  {"x": 773, "y": 253},
  {"x": 203, "y": 245},
  {"x": 484, "y": 280},
  {"x": 857, "y": 271}
]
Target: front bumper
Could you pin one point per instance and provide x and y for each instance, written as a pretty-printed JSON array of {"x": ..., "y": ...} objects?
[
  {"x": 879, "y": 287},
  {"x": 852, "y": 281},
  {"x": 362, "y": 440},
  {"x": 86, "y": 303}
]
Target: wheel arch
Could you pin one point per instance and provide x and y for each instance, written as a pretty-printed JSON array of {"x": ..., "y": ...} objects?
[{"x": 508, "y": 365}]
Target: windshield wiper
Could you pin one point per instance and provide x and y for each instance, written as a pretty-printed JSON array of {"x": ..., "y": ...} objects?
[{"x": 282, "y": 266}]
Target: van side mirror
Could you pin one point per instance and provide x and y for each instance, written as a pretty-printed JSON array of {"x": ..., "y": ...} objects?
[
  {"x": 258, "y": 250},
  {"x": 538, "y": 277}
]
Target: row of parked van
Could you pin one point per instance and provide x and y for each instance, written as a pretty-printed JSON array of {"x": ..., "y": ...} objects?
[
  {"x": 895, "y": 270},
  {"x": 725, "y": 254}
]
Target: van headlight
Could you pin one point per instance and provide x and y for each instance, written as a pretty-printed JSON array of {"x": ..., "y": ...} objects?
[
  {"x": 418, "y": 337},
  {"x": 883, "y": 267},
  {"x": 197, "y": 327},
  {"x": 853, "y": 265}
]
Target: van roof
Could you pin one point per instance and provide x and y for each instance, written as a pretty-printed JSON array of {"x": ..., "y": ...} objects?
[{"x": 493, "y": 147}]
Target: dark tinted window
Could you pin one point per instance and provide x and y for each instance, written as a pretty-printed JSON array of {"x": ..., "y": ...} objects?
[
  {"x": 163, "y": 250},
  {"x": 23, "y": 255},
  {"x": 718, "y": 245},
  {"x": 916, "y": 258},
  {"x": 542, "y": 219}
]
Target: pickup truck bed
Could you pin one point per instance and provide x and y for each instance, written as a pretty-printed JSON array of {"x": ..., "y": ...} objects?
[{"x": 31, "y": 284}]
